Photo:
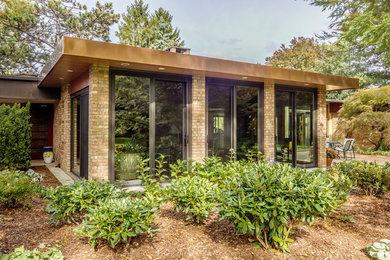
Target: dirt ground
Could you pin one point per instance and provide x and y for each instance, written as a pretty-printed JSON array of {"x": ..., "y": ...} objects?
[{"x": 335, "y": 237}]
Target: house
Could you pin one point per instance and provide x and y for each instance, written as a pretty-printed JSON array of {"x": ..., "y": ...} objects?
[
  {"x": 113, "y": 102},
  {"x": 333, "y": 107}
]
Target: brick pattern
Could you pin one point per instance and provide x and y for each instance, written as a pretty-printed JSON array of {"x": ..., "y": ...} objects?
[
  {"x": 98, "y": 139},
  {"x": 198, "y": 118},
  {"x": 269, "y": 119},
  {"x": 321, "y": 127},
  {"x": 61, "y": 130}
]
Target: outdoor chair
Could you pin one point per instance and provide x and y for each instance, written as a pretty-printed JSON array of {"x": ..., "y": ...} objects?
[{"x": 345, "y": 148}]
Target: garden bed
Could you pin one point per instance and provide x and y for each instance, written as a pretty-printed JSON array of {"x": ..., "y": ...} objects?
[{"x": 335, "y": 237}]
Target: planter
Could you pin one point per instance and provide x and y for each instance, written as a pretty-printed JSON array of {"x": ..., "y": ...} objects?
[
  {"x": 48, "y": 154},
  {"x": 126, "y": 166},
  {"x": 329, "y": 161}
]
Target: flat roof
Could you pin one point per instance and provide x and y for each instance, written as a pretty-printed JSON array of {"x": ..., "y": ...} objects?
[{"x": 74, "y": 56}]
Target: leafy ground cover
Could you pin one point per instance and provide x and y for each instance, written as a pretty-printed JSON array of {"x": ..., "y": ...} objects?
[{"x": 361, "y": 221}]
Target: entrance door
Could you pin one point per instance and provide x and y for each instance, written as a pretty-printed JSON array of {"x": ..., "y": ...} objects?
[
  {"x": 79, "y": 133},
  {"x": 294, "y": 127}
]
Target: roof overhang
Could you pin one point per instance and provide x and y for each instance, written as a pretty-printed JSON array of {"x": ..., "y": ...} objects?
[
  {"x": 21, "y": 89},
  {"x": 74, "y": 56}
]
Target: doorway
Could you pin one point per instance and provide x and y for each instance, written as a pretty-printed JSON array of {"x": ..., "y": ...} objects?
[
  {"x": 79, "y": 133},
  {"x": 295, "y": 126}
]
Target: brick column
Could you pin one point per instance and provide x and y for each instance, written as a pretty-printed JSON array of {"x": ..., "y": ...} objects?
[
  {"x": 198, "y": 118},
  {"x": 321, "y": 127},
  {"x": 269, "y": 119},
  {"x": 61, "y": 130},
  {"x": 98, "y": 150}
]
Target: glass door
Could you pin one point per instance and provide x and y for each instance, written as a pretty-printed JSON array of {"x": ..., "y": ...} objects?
[
  {"x": 219, "y": 120},
  {"x": 150, "y": 115},
  {"x": 294, "y": 127},
  {"x": 79, "y": 133},
  {"x": 233, "y": 112}
]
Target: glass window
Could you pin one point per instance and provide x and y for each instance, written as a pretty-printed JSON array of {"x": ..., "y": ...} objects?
[
  {"x": 304, "y": 114},
  {"x": 247, "y": 120},
  {"x": 283, "y": 126},
  {"x": 170, "y": 100},
  {"x": 131, "y": 124},
  {"x": 219, "y": 120}
]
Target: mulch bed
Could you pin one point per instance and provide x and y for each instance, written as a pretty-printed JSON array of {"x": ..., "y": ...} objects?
[{"x": 334, "y": 237}]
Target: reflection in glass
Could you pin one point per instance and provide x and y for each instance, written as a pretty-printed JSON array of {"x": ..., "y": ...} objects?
[
  {"x": 304, "y": 116},
  {"x": 219, "y": 120},
  {"x": 283, "y": 126},
  {"x": 76, "y": 135},
  {"x": 131, "y": 124},
  {"x": 247, "y": 107},
  {"x": 169, "y": 119}
]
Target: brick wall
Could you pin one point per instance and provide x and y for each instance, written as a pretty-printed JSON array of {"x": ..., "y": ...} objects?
[
  {"x": 269, "y": 119},
  {"x": 198, "y": 118},
  {"x": 61, "y": 130},
  {"x": 98, "y": 139},
  {"x": 321, "y": 127}
]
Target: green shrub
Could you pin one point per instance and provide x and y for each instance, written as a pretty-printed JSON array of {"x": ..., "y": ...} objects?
[
  {"x": 371, "y": 178},
  {"x": 20, "y": 253},
  {"x": 15, "y": 137},
  {"x": 65, "y": 202},
  {"x": 117, "y": 220},
  {"x": 195, "y": 195},
  {"x": 15, "y": 188},
  {"x": 379, "y": 250},
  {"x": 372, "y": 152},
  {"x": 269, "y": 199}
]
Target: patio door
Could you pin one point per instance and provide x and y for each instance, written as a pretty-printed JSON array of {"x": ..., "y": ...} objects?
[
  {"x": 149, "y": 119},
  {"x": 233, "y": 112},
  {"x": 79, "y": 133},
  {"x": 294, "y": 127}
]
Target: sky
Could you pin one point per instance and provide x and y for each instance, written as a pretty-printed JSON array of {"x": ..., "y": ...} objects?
[{"x": 241, "y": 30}]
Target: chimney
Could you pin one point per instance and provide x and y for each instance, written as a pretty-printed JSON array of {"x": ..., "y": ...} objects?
[{"x": 179, "y": 50}]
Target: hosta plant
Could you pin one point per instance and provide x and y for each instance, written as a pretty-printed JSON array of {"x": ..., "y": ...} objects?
[
  {"x": 194, "y": 195},
  {"x": 116, "y": 220},
  {"x": 51, "y": 253},
  {"x": 379, "y": 250},
  {"x": 66, "y": 202},
  {"x": 268, "y": 200}
]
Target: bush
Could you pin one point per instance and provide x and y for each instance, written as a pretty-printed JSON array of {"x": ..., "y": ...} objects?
[
  {"x": 66, "y": 201},
  {"x": 20, "y": 253},
  {"x": 117, "y": 220},
  {"x": 269, "y": 199},
  {"x": 15, "y": 137},
  {"x": 195, "y": 195},
  {"x": 15, "y": 188},
  {"x": 371, "y": 178}
]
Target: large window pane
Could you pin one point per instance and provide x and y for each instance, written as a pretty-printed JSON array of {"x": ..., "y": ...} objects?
[
  {"x": 304, "y": 111},
  {"x": 283, "y": 126},
  {"x": 219, "y": 120},
  {"x": 247, "y": 121},
  {"x": 169, "y": 102},
  {"x": 131, "y": 124}
]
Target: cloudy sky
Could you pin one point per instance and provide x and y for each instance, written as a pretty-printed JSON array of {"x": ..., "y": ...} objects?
[{"x": 242, "y": 30}]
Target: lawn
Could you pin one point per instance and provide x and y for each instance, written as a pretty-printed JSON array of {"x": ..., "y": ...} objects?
[{"x": 342, "y": 235}]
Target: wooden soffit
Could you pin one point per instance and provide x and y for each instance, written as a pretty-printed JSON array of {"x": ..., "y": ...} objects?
[{"x": 74, "y": 56}]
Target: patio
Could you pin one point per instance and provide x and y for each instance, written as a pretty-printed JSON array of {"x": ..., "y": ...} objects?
[{"x": 381, "y": 159}]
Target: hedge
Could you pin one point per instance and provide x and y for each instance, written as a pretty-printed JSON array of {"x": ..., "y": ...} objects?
[{"x": 15, "y": 137}]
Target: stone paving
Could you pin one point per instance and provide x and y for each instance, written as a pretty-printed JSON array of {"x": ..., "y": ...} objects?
[{"x": 381, "y": 159}]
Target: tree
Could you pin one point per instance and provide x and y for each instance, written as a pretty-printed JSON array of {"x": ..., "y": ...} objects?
[
  {"x": 142, "y": 29},
  {"x": 302, "y": 54},
  {"x": 30, "y": 30},
  {"x": 309, "y": 55},
  {"x": 367, "y": 110},
  {"x": 362, "y": 26}
]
